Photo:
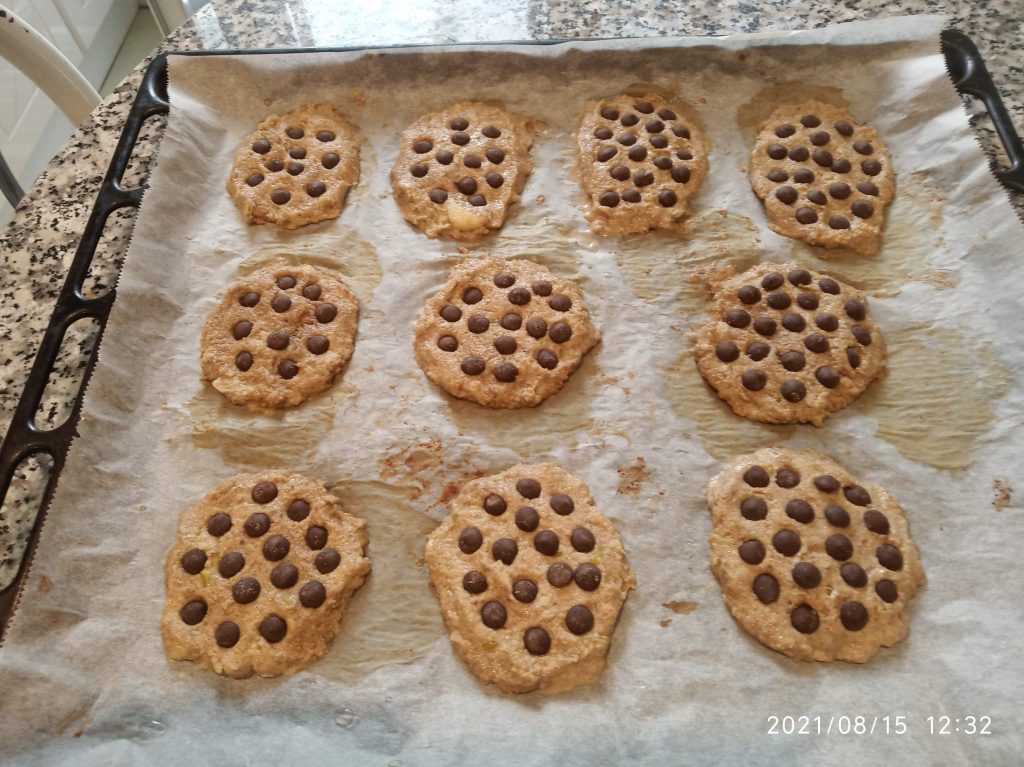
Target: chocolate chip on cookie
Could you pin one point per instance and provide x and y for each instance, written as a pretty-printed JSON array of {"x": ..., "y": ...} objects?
[
  {"x": 834, "y": 587},
  {"x": 533, "y": 603},
  {"x": 639, "y": 173},
  {"x": 841, "y": 167},
  {"x": 245, "y": 592},
  {"x": 818, "y": 348},
  {"x": 279, "y": 336},
  {"x": 504, "y": 334},
  {"x": 296, "y": 168},
  {"x": 460, "y": 183}
]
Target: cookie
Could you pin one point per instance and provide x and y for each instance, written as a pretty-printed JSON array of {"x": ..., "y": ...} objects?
[
  {"x": 260, "y": 575},
  {"x": 503, "y": 334},
  {"x": 459, "y": 170},
  {"x": 823, "y": 178},
  {"x": 813, "y": 562},
  {"x": 787, "y": 345},
  {"x": 641, "y": 161},
  {"x": 279, "y": 336},
  {"x": 296, "y": 168},
  {"x": 531, "y": 578}
]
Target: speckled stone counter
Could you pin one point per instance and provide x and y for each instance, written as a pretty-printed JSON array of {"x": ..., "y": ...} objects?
[{"x": 40, "y": 242}]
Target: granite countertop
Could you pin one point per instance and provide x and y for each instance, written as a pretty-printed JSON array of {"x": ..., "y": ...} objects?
[{"x": 40, "y": 242}]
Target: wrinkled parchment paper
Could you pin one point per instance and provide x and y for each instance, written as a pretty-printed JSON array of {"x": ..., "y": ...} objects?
[{"x": 84, "y": 677}]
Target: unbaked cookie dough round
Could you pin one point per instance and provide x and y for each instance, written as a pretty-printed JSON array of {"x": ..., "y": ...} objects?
[
  {"x": 823, "y": 178},
  {"x": 504, "y": 334},
  {"x": 260, "y": 574},
  {"x": 459, "y": 170},
  {"x": 531, "y": 577},
  {"x": 641, "y": 162},
  {"x": 296, "y": 168},
  {"x": 279, "y": 336},
  {"x": 787, "y": 345},
  {"x": 812, "y": 561}
]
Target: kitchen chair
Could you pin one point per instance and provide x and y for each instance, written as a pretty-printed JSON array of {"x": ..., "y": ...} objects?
[{"x": 39, "y": 60}]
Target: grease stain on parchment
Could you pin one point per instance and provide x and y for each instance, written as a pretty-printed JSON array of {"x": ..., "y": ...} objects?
[
  {"x": 538, "y": 237},
  {"x": 633, "y": 477},
  {"x": 557, "y": 418},
  {"x": 910, "y": 240},
  {"x": 284, "y": 438},
  {"x": 421, "y": 468},
  {"x": 724, "y": 433},
  {"x": 71, "y": 718},
  {"x": 410, "y": 462},
  {"x": 394, "y": 617},
  {"x": 681, "y": 608},
  {"x": 341, "y": 250},
  {"x": 1002, "y": 494},
  {"x": 640, "y": 89},
  {"x": 659, "y": 263},
  {"x": 941, "y": 279},
  {"x": 751, "y": 114},
  {"x": 937, "y": 401}
]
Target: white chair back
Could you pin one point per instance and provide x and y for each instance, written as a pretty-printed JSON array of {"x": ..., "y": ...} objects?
[{"x": 39, "y": 60}]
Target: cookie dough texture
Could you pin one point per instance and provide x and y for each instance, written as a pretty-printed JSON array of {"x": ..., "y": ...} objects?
[
  {"x": 812, "y": 562},
  {"x": 504, "y": 334},
  {"x": 641, "y": 161},
  {"x": 260, "y": 574},
  {"x": 460, "y": 170},
  {"x": 787, "y": 345},
  {"x": 530, "y": 577},
  {"x": 279, "y": 336},
  {"x": 822, "y": 177},
  {"x": 296, "y": 168}
]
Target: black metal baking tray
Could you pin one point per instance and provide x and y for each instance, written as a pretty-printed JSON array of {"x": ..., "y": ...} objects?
[{"x": 23, "y": 439}]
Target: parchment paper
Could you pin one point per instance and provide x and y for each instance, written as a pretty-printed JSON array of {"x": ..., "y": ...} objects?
[{"x": 83, "y": 674}]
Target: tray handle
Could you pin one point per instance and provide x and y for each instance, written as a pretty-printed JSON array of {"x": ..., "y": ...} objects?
[
  {"x": 24, "y": 439},
  {"x": 969, "y": 74}
]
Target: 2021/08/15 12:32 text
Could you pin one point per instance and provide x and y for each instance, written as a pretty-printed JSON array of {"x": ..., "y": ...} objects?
[{"x": 888, "y": 724}]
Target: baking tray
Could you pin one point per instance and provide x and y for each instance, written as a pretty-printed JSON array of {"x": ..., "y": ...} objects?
[{"x": 25, "y": 440}]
